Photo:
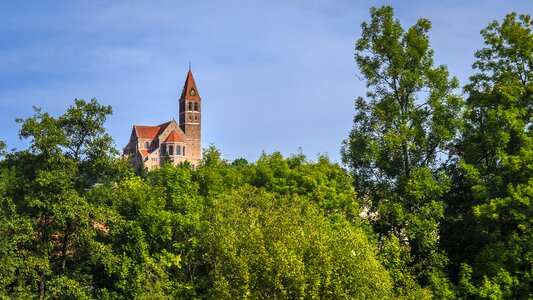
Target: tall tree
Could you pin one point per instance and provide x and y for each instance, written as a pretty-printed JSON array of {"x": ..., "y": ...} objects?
[
  {"x": 66, "y": 156},
  {"x": 400, "y": 135},
  {"x": 495, "y": 165}
]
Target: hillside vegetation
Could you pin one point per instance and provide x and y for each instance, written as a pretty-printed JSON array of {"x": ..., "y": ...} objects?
[{"x": 434, "y": 198}]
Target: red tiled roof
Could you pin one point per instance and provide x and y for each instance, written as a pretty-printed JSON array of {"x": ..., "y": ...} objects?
[
  {"x": 173, "y": 137},
  {"x": 189, "y": 84},
  {"x": 150, "y": 132},
  {"x": 146, "y": 132},
  {"x": 143, "y": 152}
]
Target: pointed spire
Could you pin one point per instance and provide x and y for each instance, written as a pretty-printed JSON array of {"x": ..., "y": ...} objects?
[{"x": 189, "y": 88}]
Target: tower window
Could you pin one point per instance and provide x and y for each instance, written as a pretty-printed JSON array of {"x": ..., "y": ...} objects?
[
  {"x": 190, "y": 118},
  {"x": 196, "y": 118},
  {"x": 190, "y": 106},
  {"x": 170, "y": 150},
  {"x": 195, "y": 106}
]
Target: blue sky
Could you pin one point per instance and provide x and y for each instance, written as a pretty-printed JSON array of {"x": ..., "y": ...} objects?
[{"x": 273, "y": 75}]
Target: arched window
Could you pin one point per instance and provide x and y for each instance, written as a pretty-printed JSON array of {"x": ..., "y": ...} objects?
[
  {"x": 190, "y": 106},
  {"x": 178, "y": 150},
  {"x": 196, "y": 118},
  {"x": 195, "y": 106},
  {"x": 183, "y": 150},
  {"x": 170, "y": 150},
  {"x": 146, "y": 145}
]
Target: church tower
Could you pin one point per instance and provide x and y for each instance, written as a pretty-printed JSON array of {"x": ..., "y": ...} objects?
[{"x": 190, "y": 118}]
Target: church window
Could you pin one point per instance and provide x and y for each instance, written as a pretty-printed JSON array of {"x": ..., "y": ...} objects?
[
  {"x": 195, "y": 106},
  {"x": 190, "y": 118},
  {"x": 196, "y": 118},
  {"x": 183, "y": 150},
  {"x": 190, "y": 106},
  {"x": 170, "y": 150},
  {"x": 178, "y": 150}
]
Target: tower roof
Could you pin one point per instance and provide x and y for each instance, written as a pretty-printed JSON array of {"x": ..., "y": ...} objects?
[{"x": 190, "y": 91}]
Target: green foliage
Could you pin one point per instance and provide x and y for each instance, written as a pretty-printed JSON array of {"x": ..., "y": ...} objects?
[
  {"x": 265, "y": 246},
  {"x": 173, "y": 232},
  {"x": 324, "y": 183},
  {"x": 495, "y": 167},
  {"x": 432, "y": 214},
  {"x": 44, "y": 201},
  {"x": 408, "y": 118}
]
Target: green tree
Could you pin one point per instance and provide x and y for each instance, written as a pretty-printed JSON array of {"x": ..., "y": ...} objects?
[
  {"x": 324, "y": 183},
  {"x": 261, "y": 245},
  {"x": 150, "y": 249},
  {"x": 17, "y": 270},
  {"x": 86, "y": 141},
  {"x": 494, "y": 170},
  {"x": 400, "y": 135},
  {"x": 46, "y": 196},
  {"x": 215, "y": 175},
  {"x": 186, "y": 208}
]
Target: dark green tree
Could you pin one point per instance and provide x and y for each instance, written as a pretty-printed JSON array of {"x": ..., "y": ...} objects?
[
  {"x": 67, "y": 155},
  {"x": 494, "y": 171},
  {"x": 400, "y": 137}
]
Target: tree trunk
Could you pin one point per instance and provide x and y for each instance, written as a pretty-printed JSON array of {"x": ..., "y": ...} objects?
[
  {"x": 406, "y": 159},
  {"x": 64, "y": 246},
  {"x": 41, "y": 287}
]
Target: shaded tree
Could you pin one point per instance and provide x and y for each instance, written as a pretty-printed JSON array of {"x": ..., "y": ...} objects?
[{"x": 494, "y": 167}]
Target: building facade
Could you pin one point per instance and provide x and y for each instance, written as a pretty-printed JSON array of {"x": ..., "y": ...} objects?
[{"x": 178, "y": 142}]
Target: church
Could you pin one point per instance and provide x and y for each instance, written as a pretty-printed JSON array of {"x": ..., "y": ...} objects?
[{"x": 179, "y": 142}]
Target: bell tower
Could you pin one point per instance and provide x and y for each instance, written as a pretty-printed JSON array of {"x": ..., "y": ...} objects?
[{"x": 190, "y": 118}]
